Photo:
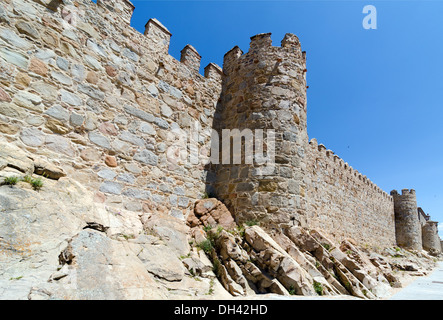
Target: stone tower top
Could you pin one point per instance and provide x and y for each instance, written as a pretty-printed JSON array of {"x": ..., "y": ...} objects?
[{"x": 261, "y": 44}]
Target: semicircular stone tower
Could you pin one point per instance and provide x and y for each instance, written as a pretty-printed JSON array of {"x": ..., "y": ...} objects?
[
  {"x": 263, "y": 95},
  {"x": 407, "y": 225},
  {"x": 431, "y": 240}
]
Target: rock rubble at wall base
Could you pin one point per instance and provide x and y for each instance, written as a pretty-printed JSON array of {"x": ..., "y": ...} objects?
[{"x": 295, "y": 261}]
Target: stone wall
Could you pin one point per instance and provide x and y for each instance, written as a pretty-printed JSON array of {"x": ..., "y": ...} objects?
[
  {"x": 107, "y": 104},
  {"x": 266, "y": 89},
  {"x": 343, "y": 202},
  {"x": 90, "y": 94}
]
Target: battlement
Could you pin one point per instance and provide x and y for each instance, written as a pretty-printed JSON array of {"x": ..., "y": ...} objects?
[
  {"x": 155, "y": 38},
  {"x": 190, "y": 57},
  {"x": 213, "y": 71},
  {"x": 341, "y": 168},
  {"x": 404, "y": 192},
  {"x": 260, "y": 49},
  {"x": 158, "y": 33}
]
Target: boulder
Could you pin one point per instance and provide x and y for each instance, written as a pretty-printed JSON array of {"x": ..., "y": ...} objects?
[{"x": 211, "y": 212}]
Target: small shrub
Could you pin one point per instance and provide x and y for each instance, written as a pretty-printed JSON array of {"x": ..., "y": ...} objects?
[
  {"x": 326, "y": 246},
  {"x": 206, "y": 246},
  {"x": 216, "y": 266},
  {"x": 10, "y": 181},
  {"x": 318, "y": 288},
  {"x": 37, "y": 184},
  {"x": 292, "y": 290},
  {"x": 207, "y": 228},
  {"x": 211, "y": 288},
  {"x": 240, "y": 230}
]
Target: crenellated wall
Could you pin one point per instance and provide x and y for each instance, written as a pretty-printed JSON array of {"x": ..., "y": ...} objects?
[
  {"x": 343, "y": 202},
  {"x": 83, "y": 90},
  {"x": 87, "y": 92},
  {"x": 265, "y": 88}
]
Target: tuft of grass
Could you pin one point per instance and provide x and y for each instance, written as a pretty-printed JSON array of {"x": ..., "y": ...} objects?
[
  {"x": 240, "y": 230},
  {"x": 211, "y": 288},
  {"x": 37, "y": 184},
  {"x": 251, "y": 223},
  {"x": 10, "y": 181},
  {"x": 27, "y": 179}
]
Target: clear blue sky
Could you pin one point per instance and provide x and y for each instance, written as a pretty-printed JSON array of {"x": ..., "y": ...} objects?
[{"x": 375, "y": 97}]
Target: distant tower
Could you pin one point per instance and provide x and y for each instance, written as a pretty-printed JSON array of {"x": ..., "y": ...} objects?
[
  {"x": 264, "y": 89},
  {"x": 431, "y": 240},
  {"x": 407, "y": 224}
]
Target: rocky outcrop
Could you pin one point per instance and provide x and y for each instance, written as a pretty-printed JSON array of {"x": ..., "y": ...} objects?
[
  {"x": 294, "y": 261},
  {"x": 58, "y": 243}
]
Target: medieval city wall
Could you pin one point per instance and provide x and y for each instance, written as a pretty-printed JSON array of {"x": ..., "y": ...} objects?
[
  {"x": 344, "y": 202},
  {"x": 83, "y": 90}
]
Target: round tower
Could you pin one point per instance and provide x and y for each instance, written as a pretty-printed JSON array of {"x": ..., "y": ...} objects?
[
  {"x": 407, "y": 224},
  {"x": 263, "y": 96},
  {"x": 431, "y": 240}
]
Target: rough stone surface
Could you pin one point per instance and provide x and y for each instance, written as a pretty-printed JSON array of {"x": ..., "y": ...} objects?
[{"x": 120, "y": 132}]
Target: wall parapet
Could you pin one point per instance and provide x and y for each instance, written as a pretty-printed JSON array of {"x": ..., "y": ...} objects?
[
  {"x": 155, "y": 39},
  {"x": 343, "y": 168}
]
